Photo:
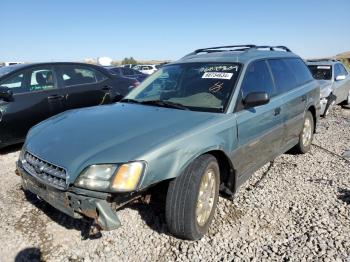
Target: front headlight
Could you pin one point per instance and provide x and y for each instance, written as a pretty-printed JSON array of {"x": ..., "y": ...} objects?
[
  {"x": 96, "y": 177},
  {"x": 128, "y": 176},
  {"x": 111, "y": 178}
]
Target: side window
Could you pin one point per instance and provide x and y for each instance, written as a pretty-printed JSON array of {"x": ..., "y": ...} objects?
[
  {"x": 343, "y": 70},
  {"x": 78, "y": 75},
  {"x": 15, "y": 83},
  {"x": 300, "y": 70},
  {"x": 283, "y": 75},
  {"x": 257, "y": 79},
  {"x": 337, "y": 71},
  {"x": 41, "y": 79}
]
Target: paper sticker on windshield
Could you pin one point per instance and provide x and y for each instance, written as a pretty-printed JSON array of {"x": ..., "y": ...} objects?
[
  {"x": 217, "y": 75},
  {"x": 323, "y": 67}
]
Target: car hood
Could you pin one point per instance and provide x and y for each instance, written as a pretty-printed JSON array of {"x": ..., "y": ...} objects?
[{"x": 108, "y": 134}]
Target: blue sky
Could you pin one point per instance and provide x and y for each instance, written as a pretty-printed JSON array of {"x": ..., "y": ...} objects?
[{"x": 67, "y": 30}]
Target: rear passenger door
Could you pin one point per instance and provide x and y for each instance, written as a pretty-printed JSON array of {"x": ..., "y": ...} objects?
[
  {"x": 260, "y": 128},
  {"x": 292, "y": 80},
  {"x": 83, "y": 86}
]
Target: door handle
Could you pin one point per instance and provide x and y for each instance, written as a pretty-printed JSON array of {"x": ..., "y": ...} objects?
[
  {"x": 303, "y": 98},
  {"x": 277, "y": 111},
  {"x": 55, "y": 97}
]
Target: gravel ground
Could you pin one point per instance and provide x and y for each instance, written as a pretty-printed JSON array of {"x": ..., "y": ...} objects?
[{"x": 297, "y": 208}]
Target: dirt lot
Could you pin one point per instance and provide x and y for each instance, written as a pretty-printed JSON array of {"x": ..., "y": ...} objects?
[{"x": 297, "y": 208}]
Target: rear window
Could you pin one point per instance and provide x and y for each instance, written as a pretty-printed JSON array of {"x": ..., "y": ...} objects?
[{"x": 321, "y": 72}]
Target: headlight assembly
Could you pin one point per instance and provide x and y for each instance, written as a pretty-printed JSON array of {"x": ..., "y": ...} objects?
[
  {"x": 96, "y": 177},
  {"x": 128, "y": 176},
  {"x": 111, "y": 178}
]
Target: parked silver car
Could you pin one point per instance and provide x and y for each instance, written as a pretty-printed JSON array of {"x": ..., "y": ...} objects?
[{"x": 334, "y": 80}]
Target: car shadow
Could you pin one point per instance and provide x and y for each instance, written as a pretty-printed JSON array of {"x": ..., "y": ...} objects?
[
  {"x": 152, "y": 213},
  {"x": 344, "y": 195},
  {"x": 32, "y": 254},
  {"x": 11, "y": 149},
  {"x": 82, "y": 225}
]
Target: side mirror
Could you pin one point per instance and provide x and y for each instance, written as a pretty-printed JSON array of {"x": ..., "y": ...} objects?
[
  {"x": 340, "y": 77},
  {"x": 256, "y": 99},
  {"x": 6, "y": 94}
]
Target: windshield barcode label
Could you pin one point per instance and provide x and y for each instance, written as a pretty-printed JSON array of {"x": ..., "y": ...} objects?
[{"x": 217, "y": 75}]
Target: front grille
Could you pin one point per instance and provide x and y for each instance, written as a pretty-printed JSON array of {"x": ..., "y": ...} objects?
[{"x": 46, "y": 172}]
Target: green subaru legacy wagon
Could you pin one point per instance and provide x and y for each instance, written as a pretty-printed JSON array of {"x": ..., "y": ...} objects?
[{"x": 199, "y": 126}]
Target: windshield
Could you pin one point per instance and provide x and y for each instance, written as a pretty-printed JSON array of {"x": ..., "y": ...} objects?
[
  {"x": 196, "y": 86},
  {"x": 321, "y": 72},
  {"x": 8, "y": 69}
]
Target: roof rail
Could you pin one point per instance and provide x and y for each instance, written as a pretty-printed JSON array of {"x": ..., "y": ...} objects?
[
  {"x": 217, "y": 49},
  {"x": 237, "y": 48},
  {"x": 322, "y": 60},
  {"x": 273, "y": 48}
]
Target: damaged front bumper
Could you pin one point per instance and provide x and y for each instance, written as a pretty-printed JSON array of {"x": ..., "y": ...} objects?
[
  {"x": 323, "y": 103},
  {"x": 75, "y": 202}
]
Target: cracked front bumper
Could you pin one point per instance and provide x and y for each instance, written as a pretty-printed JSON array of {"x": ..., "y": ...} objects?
[
  {"x": 75, "y": 202},
  {"x": 323, "y": 103}
]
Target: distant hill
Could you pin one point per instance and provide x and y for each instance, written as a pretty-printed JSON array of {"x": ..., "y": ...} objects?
[{"x": 345, "y": 55}]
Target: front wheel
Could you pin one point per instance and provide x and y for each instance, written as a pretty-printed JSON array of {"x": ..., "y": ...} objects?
[
  {"x": 306, "y": 135},
  {"x": 192, "y": 198}
]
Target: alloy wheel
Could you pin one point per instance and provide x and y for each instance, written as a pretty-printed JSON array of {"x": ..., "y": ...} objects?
[{"x": 206, "y": 197}]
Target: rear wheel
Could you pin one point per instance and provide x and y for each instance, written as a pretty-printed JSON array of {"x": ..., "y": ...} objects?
[
  {"x": 192, "y": 198},
  {"x": 306, "y": 135}
]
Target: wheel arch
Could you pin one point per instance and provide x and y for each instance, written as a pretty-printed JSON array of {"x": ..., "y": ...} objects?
[
  {"x": 228, "y": 179},
  {"x": 312, "y": 109}
]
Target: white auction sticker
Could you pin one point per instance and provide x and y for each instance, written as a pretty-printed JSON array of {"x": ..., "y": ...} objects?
[
  {"x": 323, "y": 67},
  {"x": 217, "y": 75}
]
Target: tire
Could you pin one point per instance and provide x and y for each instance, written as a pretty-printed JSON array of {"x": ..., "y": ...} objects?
[
  {"x": 306, "y": 135},
  {"x": 183, "y": 195}
]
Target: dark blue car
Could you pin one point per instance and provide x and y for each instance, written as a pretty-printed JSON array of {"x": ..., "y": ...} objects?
[{"x": 127, "y": 72}]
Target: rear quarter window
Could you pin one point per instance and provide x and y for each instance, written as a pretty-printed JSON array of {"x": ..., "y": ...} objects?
[
  {"x": 77, "y": 75},
  {"x": 300, "y": 70}
]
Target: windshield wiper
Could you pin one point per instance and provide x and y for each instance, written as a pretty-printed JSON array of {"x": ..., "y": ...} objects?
[
  {"x": 165, "y": 103},
  {"x": 128, "y": 100}
]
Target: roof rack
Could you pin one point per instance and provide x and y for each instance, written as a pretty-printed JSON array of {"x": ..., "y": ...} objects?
[
  {"x": 273, "y": 48},
  {"x": 237, "y": 48}
]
